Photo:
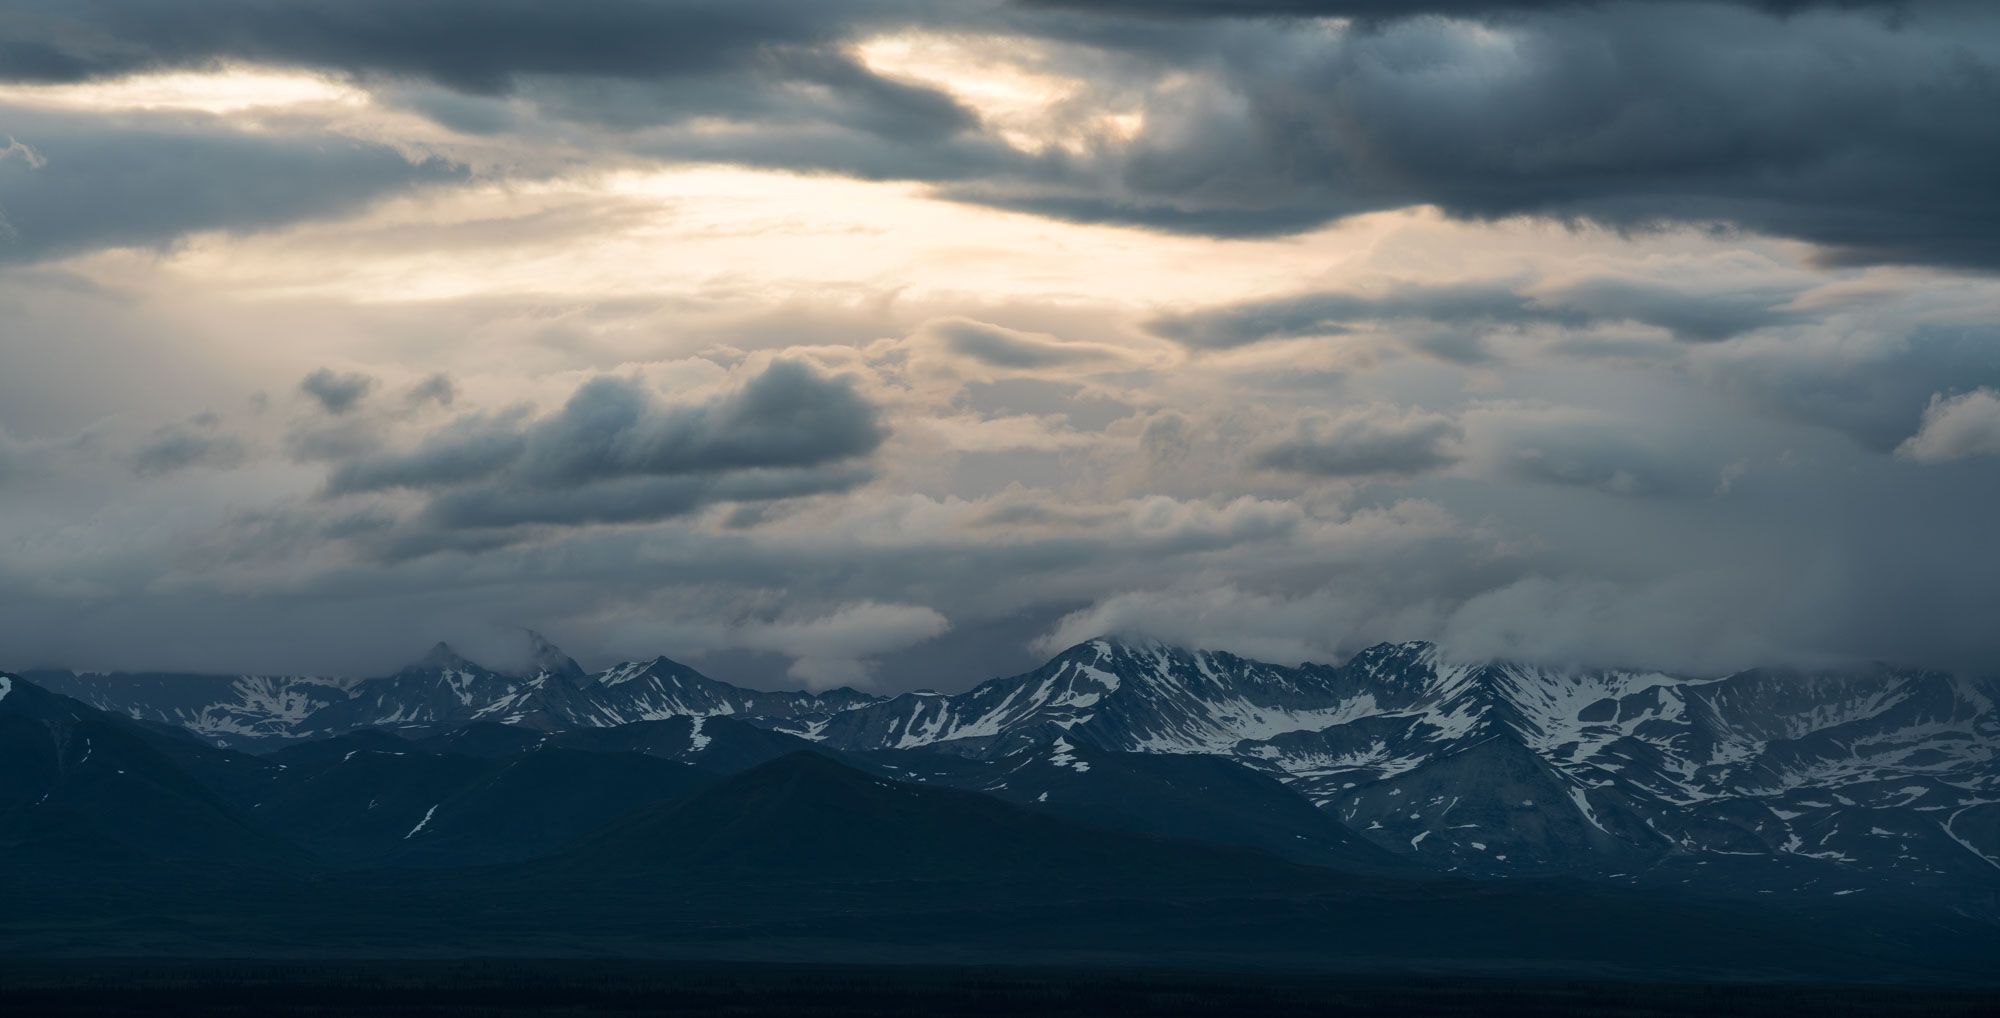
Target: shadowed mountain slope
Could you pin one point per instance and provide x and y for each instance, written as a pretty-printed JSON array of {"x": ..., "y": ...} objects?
[
  {"x": 805, "y": 817},
  {"x": 1201, "y": 797},
  {"x": 78, "y": 785}
]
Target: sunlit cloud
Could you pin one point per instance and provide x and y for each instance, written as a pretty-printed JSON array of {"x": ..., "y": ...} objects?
[
  {"x": 223, "y": 90},
  {"x": 697, "y": 231}
]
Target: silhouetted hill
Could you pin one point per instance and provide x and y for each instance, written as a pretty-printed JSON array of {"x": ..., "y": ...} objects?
[
  {"x": 77, "y": 785},
  {"x": 806, "y": 818},
  {"x": 372, "y": 805},
  {"x": 1207, "y": 798}
]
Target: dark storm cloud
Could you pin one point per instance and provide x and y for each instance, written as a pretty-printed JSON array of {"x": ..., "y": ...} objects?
[
  {"x": 469, "y": 449},
  {"x": 179, "y": 448},
  {"x": 788, "y": 416},
  {"x": 1688, "y": 316},
  {"x": 332, "y": 441},
  {"x": 628, "y": 499},
  {"x": 336, "y": 392},
  {"x": 1322, "y": 314},
  {"x": 797, "y": 90},
  {"x": 1870, "y": 137},
  {"x": 1389, "y": 10},
  {"x": 477, "y": 46},
  {"x": 778, "y": 69},
  {"x": 1005, "y": 348},
  {"x": 874, "y": 104},
  {"x": 1382, "y": 441},
  {"x": 439, "y": 389},
  {"x": 615, "y": 453},
  {"x": 78, "y": 182},
  {"x": 626, "y": 63}
]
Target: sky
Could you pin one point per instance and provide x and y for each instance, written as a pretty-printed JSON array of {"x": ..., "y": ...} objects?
[{"x": 901, "y": 344}]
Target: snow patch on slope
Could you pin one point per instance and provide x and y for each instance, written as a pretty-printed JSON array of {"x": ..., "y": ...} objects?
[
  {"x": 421, "y": 824},
  {"x": 1065, "y": 756}
]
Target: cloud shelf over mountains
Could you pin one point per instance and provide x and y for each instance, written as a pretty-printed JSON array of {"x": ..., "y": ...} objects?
[{"x": 895, "y": 344}]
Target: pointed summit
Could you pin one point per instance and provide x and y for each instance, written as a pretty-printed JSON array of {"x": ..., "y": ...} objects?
[
  {"x": 441, "y": 657},
  {"x": 545, "y": 658}
]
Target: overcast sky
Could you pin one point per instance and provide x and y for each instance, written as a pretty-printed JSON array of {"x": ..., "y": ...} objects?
[{"x": 900, "y": 344}]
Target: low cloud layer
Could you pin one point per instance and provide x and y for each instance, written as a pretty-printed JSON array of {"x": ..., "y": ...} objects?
[
  {"x": 834, "y": 650},
  {"x": 1600, "y": 300},
  {"x": 1374, "y": 440}
]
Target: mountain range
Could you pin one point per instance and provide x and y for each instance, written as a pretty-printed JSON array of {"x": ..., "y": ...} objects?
[{"x": 1875, "y": 785}]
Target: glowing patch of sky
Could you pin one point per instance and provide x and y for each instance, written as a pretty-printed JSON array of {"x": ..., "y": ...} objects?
[{"x": 229, "y": 90}]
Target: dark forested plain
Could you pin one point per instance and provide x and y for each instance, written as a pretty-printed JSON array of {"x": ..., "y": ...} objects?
[
  {"x": 803, "y": 858},
  {"x": 499, "y": 989}
]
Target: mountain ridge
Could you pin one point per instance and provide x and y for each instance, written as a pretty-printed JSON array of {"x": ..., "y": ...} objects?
[
  {"x": 1862, "y": 780},
  {"x": 805, "y": 856}
]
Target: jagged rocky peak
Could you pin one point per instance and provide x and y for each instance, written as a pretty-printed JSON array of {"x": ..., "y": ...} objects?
[
  {"x": 532, "y": 656},
  {"x": 1104, "y": 648},
  {"x": 1129, "y": 656},
  {"x": 1388, "y": 662},
  {"x": 1407, "y": 652},
  {"x": 1382, "y": 658},
  {"x": 662, "y": 668}
]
